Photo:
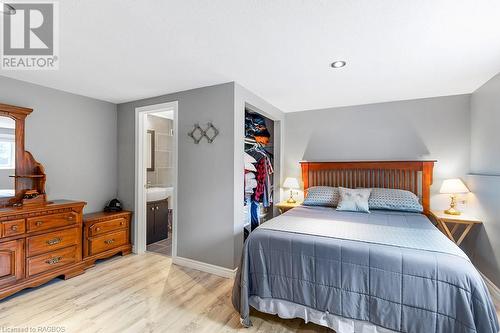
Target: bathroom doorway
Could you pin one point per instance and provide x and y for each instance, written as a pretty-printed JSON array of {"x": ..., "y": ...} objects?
[{"x": 156, "y": 179}]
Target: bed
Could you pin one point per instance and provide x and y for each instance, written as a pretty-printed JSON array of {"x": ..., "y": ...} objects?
[{"x": 387, "y": 271}]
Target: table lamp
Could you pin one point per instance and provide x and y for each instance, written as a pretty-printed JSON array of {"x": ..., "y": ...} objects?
[
  {"x": 291, "y": 183},
  {"x": 453, "y": 187}
]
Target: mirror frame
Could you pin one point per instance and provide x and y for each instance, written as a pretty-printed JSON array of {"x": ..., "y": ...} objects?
[
  {"x": 29, "y": 174},
  {"x": 151, "y": 134}
]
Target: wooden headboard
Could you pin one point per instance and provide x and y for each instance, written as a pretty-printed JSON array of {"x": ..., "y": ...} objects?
[{"x": 414, "y": 176}]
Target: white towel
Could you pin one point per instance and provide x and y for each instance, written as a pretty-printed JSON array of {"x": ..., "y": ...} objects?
[
  {"x": 249, "y": 158},
  {"x": 250, "y": 167},
  {"x": 250, "y": 184}
]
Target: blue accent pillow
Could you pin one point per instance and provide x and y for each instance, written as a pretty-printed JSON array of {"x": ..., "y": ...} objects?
[
  {"x": 322, "y": 196},
  {"x": 393, "y": 199}
]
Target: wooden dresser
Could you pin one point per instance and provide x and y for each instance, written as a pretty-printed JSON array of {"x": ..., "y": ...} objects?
[
  {"x": 40, "y": 239},
  {"x": 105, "y": 234},
  {"x": 39, "y": 243}
]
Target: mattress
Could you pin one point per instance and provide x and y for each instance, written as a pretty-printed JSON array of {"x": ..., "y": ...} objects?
[{"x": 391, "y": 271}]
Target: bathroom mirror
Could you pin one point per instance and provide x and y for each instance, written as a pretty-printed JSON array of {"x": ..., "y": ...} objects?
[
  {"x": 150, "y": 150},
  {"x": 7, "y": 157}
]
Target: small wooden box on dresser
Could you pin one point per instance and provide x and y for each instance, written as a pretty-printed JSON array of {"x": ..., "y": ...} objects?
[{"x": 105, "y": 234}]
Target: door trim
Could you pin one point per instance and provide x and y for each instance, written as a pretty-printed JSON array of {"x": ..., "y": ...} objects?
[{"x": 141, "y": 175}]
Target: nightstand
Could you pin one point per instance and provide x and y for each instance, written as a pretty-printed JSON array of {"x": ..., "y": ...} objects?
[
  {"x": 285, "y": 206},
  {"x": 455, "y": 222}
]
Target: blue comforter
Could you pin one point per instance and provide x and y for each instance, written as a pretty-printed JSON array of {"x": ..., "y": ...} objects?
[{"x": 394, "y": 270}]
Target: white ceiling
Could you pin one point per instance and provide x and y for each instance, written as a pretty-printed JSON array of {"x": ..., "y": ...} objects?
[{"x": 122, "y": 50}]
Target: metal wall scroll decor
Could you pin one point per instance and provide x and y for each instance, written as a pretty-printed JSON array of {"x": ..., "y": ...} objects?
[{"x": 198, "y": 133}]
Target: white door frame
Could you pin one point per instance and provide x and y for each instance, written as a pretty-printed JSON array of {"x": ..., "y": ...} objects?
[{"x": 141, "y": 176}]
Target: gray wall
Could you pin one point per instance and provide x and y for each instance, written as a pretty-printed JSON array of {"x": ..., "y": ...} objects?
[
  {"x": 205, "y": 171},
  {"x": 485, "y": 132},
  {"x": 210, "y": 176},
  {"x": 484, "y": 180},
  {"x": 74, "y": 137},
  {"x": 432, "y": 128}
]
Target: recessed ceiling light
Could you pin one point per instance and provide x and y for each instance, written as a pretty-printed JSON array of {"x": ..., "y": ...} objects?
[
  {"x": 7, "y": 9},
  {"x": 338, "y": 64}
]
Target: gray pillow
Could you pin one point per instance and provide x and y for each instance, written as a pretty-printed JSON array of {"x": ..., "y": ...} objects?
[
  {"x": 354, "y": 200},
  {"x": 393, "y": 199},
  {"x": 322, "y": 196}
]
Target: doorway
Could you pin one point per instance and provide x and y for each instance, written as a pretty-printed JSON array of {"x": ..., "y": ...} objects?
[{"x": 156, "y": 140}]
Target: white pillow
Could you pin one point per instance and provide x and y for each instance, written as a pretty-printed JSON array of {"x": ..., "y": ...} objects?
[{"x": 354, "y": 200}]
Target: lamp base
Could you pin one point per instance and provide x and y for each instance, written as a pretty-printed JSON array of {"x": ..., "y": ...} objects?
[
  {"x": 452, "y": 211},
  {"x": 291, "y": 200}
]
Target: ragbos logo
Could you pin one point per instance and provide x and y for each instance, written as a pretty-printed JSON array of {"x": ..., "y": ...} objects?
[{"x": 30, "y": 35}]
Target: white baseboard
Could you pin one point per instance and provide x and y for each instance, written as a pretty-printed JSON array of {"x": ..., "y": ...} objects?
[
  {"x": 494, "y": 290},
  {"x": 204, "y": 267}
]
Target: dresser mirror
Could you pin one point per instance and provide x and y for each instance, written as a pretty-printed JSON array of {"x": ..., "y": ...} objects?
[
  {"x": 22, "y": 179},
  {"x": 7, "y": 157}
]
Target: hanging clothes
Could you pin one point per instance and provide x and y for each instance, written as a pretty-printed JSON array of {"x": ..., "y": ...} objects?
[{"x": 258, "y": 168}]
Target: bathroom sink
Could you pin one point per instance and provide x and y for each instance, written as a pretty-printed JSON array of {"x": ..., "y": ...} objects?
[{"x": 158, "y": 193}]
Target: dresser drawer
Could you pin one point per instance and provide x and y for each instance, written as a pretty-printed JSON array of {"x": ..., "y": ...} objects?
[
  {"x": 52, "y": 241},
  {"x": 103, "y": 227},
  {"x": 51, "y": 221},
  {"x": 108, "y": 241},
  {"x": 52, "y": 260},
  {"x": 14, "y": 227}
]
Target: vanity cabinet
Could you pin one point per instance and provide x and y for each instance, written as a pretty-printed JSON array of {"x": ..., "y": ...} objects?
[{"x": 157, "y": 221}]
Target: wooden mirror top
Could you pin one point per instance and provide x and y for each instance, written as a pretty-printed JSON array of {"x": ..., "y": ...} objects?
[{"x": 29, "y": 176}]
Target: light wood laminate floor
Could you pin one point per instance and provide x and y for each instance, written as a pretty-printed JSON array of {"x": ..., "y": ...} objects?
[{"x": 137, "y": 293}]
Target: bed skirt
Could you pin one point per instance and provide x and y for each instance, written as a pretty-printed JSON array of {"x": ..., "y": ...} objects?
[{"x": 288, "y": 310}]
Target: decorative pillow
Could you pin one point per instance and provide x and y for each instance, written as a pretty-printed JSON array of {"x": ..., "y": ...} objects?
[
  {"x": 393, "y": 199},
  {"x": 322, "y": 196},
  {"x": 354, "y": 200}
]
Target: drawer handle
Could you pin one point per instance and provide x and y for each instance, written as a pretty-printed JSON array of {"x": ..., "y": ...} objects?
[
  {"x": 109, "y": 241},
  {"x": 70, "y": 218},
  {"x": 121, "y": 223},
  {"x": 53, "y": 261},
  {"x": 14, "y": 228},
  {"x": 38, "y": 223},
  {"x": 54, "y": 241},
  {"x": 97, "y": 229}
]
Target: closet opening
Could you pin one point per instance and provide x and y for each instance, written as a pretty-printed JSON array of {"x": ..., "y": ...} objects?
[
  {"x": 156, "y": 179},
  {"x": 259, "y": 170}
]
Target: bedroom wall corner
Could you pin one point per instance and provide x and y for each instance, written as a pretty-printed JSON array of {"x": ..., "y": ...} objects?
[{"x": 484, "y": 179}]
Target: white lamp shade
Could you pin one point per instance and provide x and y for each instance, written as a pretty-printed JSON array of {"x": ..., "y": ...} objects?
[
  {"x": 453, "y": 186},
  {"x": 291, "y": 182}
]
